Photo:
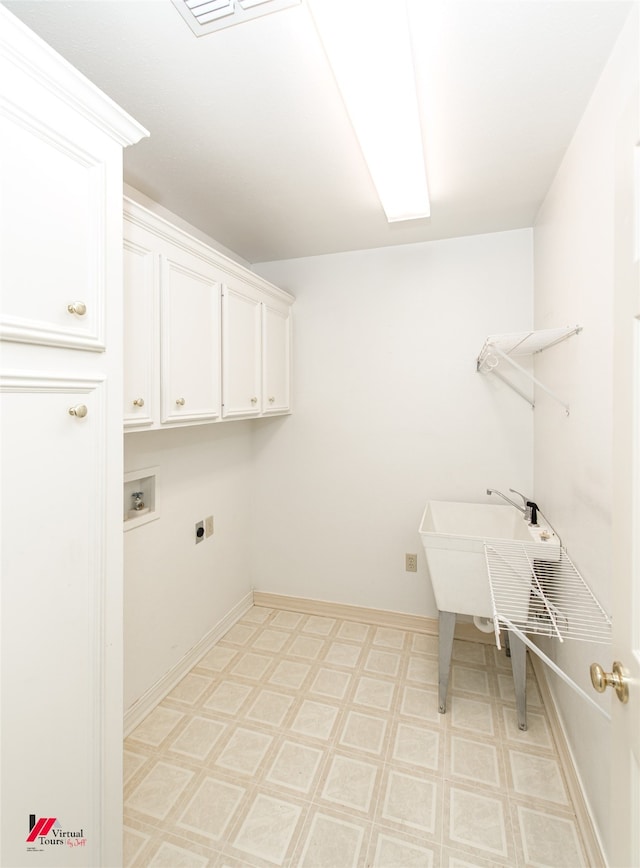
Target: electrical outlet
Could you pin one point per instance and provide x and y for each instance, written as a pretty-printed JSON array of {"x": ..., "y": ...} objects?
[
  {"x": 411, "y": 563},
  {"x": 208, "y": 526},
  {"x": 199, "y": 532}
]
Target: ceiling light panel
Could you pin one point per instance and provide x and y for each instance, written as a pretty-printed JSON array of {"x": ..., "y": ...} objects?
[
  {"x": 205, "y": 16},
  {"x": 368, "y": 45}
]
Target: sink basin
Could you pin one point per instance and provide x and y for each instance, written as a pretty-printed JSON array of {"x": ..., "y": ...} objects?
[{"x": 453, "y": 536}]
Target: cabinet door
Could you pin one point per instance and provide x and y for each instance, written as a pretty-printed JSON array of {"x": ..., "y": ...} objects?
[
  {"x": 241, "y": 354},
  {"x": 140, "y": 332},
  {"x": 54, "y": 580},
  {"x": 52, "y": 234},
  {"x": 276, "y": 359},
  {"x": 190, "y": 351}
]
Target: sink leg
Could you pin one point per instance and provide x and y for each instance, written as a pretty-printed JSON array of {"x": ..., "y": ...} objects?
[
  {"x": 519, "y": 668},
  {"x": 446, "y": 628}
]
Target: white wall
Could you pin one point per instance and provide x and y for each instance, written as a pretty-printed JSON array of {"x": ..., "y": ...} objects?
[
  {"x": 175, "y": 591},
  {"x": 163, "y": 212},
  {"x": 389, "y": 412},
  {"x": 574, "y": 283}
]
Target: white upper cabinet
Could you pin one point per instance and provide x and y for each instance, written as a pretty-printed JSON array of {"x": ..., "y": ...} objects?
[
  {"x": 140, "y": 395},
  {"x": 190, "y": 348},
  {"x": 256, "y": 347},
  {"x": 204, "y": 337},
  {"x": 172, "y": 325},
  {"x": 241, "y": 323},
  {"x": 57, "y": 297},
  {"x": 276, "y": 359},
  {"x": 58, "y": 169}
]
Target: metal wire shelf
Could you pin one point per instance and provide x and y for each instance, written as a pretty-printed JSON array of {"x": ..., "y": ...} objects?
[
  {"x": 502, "y": 348},
  {"x": 542, "y": 597},
  {"x": 527, "y": 343}
]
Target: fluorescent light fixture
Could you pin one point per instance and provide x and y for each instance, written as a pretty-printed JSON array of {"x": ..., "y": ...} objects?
[{"x": 368, "y": 45}]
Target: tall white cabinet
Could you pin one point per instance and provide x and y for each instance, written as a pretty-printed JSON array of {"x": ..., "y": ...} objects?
[{"x": 61, "y": 144}]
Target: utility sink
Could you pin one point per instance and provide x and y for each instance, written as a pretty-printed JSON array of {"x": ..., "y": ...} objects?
[{"x": 453, "y": 536}]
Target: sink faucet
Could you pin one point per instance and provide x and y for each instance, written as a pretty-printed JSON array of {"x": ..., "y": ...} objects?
[
  {"x": 529, "y": 509},
  {"x": 508, "y": 499}
]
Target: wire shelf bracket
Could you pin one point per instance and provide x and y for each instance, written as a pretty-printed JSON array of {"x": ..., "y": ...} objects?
[
  {"x": 503, "y": 348},
  {"x": 534, "y": 596}
]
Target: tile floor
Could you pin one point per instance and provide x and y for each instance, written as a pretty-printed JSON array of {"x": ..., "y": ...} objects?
[{"x": 311, "y": 741}]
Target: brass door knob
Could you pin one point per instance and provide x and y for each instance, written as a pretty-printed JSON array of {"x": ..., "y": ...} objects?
[
  {"x": 79, "y": 411},
  {"x": 77, "y": 307},
  {"x": 616, "y": 679},
  {"x": 139, "y": 402},
  {"x": 272, "y": 399},
  {"x": 180, "y": 402},
  {"x": 254, "y": 400}
]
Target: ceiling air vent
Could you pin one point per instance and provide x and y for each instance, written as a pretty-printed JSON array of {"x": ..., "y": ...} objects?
[{"x": 205, "y": 16}]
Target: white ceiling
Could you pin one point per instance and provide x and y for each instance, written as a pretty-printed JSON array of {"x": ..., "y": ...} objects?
[{"x": 249, "y": 137}]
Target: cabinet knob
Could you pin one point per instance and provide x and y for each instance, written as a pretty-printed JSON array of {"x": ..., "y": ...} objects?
[
  {"x": 254, "y": 400},
  {"x": 139, "y": 402},
  {"x": 77, "y": 307},
  {"x": 79, "y": 411},
  {"x": 271, "y": 399},
  {"x": 180, "y": 402}
]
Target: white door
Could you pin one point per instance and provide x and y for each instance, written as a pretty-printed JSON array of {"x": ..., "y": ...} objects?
[
  {"x": 54, "y": 580},
  {"x": 241, "y": 356},
  {"x": 276, "y": 359},
  {"x": 190, "y": 329},
  {"x": 625, "y": 782},
  {"x": 139, "y": 321},
  {"x": 55, "y": 291}
]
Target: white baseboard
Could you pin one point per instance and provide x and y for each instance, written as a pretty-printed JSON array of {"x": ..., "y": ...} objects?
[
  {"x": 361, "y": 614},
  {"x": 157, "y": 692},
  {"x": 381, "y": 617},
  {"x": 588, "y": 832}
]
